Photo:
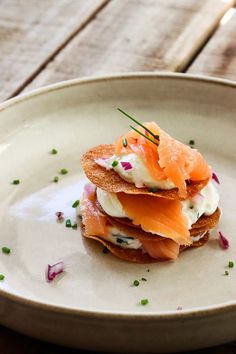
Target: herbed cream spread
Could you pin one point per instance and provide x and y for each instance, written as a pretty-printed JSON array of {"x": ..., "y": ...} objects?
[{"x": 138, "y": 174}]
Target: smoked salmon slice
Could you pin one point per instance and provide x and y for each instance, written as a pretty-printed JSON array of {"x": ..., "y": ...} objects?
[
  {"x": 94, "y": 221},
  {"x": 96, "y": 224},
  {"x": 164, "y": 249},
  {"x": 157, "y": 215},
  {"x": 167, "y": 159}
]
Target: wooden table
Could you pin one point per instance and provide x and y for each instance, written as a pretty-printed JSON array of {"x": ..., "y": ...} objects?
[{"x": 42, "y": 42}]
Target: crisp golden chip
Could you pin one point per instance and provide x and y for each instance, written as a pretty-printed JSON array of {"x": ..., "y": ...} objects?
[
  {"x": 110, "y": 181},
  {"x": 137, "y": 256}
]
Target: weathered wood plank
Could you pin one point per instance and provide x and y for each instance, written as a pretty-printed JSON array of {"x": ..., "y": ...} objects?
[
  {"x": 218, "y": 57},
  {"x": 31, "y": 32},
  {"x": 137, "y": 35}
]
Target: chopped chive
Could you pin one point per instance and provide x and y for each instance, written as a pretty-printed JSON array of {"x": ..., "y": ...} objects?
[
  {"x": 53, "y": 152},
  {"x": 75, "y": 204},
  {"x": 55, "y": 179},
  {"x": 114, "y": 163},
  {"x": 121, "y": 240},
  {"x": 2, "y": 277},
  {"x": 145, "y": 136},
  {"x": 140, "y": 124},
  {"x": 105, "y": 250},
  {"x": 15, "y": 181},
  {"x": 231, "y": 264},
  {"x": 6, "y": 250},
  {"x": 153, "y": 189},
  {"x": 63, "y": 171},
  {"x": 191, "y": 142},
  {"x": 144, "y": 302},
  {"x": 136, "y": 283},
  {"x": 74, "y": 226},
  {"x": 143, "y": 279},
  {"x": 226, "y": 272},
  {"x": 124, "y": 142},
  {"x": 68, "y": 223}
]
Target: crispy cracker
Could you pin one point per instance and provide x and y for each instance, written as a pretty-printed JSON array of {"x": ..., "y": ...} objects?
[
  {"x": 137, "y": 256},
  {"x": 110, "y": 181}
]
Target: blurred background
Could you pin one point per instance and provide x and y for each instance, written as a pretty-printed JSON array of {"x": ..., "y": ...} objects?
[{"x": 42, "y": 42}]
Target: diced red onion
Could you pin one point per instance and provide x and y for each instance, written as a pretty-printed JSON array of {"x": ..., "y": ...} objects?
[
  {"x": 224, "y": 243},
  {"x": 54, "y": 270},
  {"x": 215, "y": 178},
  {"x": 59, "y": 215},
  {"x": 126, "y": 165}
]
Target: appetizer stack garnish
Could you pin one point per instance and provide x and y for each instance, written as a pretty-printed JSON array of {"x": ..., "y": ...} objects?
[{"x": 150, "y": 196}]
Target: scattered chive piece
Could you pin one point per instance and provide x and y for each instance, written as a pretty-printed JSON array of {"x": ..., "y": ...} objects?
[
  {"x": 74, "y": 226},
  {"x": 105, "y": 250},
  {"x": 55, "y": 179},
  {"x": 143, "y": 279},
  {"x": 75, "y": 204},
  {"x": 68, "y": 223},
  {"x": 153, "y": 189},
  {"x": 191, "y": 142},
  {"x": 231, "y": 264},
  {"x": 63, "y": 171},
  {"x": 16, "y": 181},
  {"x": 6, "y": 250},
  {"x": 53, "y": 152},
  {"x": 136, "y": 283},
  {"x": 141, "y": 125},
  {"x": 114, "y": 163},
  {"x": 145, "y": 136},
  {"x": 226, "y": 272},
  {"x": 2, "y": 277},
  {"x": 144, "y": 302},
  {"x": 124, "y": 142}
]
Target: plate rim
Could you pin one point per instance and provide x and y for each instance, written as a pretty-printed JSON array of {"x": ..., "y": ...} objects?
[{"x": 97, "y": 314}]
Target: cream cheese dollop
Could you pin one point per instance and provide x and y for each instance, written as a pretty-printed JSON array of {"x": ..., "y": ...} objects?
[
  {"x": 138, "y": 174},
  {"x": 110, "y": 204}
]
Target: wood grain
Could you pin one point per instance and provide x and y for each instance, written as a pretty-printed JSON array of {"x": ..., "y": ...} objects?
[
  {"x": 218, "y": 57},
  {"x": 137, "y": 35},
  {"x": 32, "y": 32}
]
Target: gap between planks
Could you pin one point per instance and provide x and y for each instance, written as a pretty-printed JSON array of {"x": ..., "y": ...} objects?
[
  {"x": 59, "y": 49},
  {"x": 204, "y": 44}
]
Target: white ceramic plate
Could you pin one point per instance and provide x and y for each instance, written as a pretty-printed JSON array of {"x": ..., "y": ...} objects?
[{"x": 93, "y": 305}]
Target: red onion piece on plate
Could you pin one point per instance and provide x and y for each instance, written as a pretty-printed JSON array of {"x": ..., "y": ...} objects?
[
  {"x": 59, "y": 215},
  {"x": 54, "y": 270},
  {"x": 224, "y": 243}
]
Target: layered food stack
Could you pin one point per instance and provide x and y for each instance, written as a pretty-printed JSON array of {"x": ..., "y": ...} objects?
[{"x": 150, "y": 196}]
